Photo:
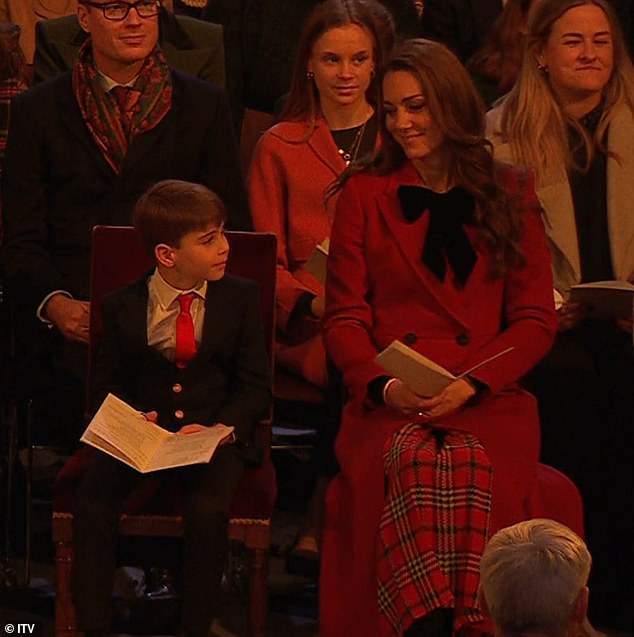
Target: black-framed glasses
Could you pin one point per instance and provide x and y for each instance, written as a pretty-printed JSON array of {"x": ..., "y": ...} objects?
[{"x": 119, "y": 10}]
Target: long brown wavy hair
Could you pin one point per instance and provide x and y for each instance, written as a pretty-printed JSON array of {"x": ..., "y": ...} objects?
[
  {"x": 302, "y": 103},
  {"x": 458, "y": 110}
]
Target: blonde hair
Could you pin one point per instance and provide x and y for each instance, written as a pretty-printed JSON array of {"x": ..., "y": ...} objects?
[
  {"x": 531, "y": 576},
  {"x": 533, "y": 122}
]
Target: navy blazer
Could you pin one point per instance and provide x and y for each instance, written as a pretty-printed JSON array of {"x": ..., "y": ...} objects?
[{"x": 227, "y": 381}]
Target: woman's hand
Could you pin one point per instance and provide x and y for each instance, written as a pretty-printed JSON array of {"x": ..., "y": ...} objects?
[
  {"x": 317, "y": 306},
  {"x": 570, "y": 313},
  {"x": 450, "y": 400},
  {"x": 627, "y": 324},
  {"x": 401, "y": 398}
]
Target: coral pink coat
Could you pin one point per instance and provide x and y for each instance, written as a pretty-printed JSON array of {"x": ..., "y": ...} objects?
[
  {"x": 292, "y": 167},
  {"x": 379, "y": 290}
]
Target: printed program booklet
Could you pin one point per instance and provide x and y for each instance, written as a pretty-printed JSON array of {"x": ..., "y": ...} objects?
[
  {"x": 316, "y": 264},
  {"x": 122, "y": 432},
  {"x": 421, "y": 374},
  {"x": 605, "y": 299}
]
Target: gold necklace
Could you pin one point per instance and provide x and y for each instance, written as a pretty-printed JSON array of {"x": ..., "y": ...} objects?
[{"x": 351, "y": 153}]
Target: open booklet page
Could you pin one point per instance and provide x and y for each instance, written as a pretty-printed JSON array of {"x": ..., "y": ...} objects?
[
  {"x": 418, "y": 372},
  {"x": 122, "y": 432},
  {"x": 316, "y": 264},
  {"x": 605, "y": 299}
]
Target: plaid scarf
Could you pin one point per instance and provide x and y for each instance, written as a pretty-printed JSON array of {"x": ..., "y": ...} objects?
[
  {"x": 8, "y": 89},
  {"x": 433, "y": 527},
  {"x": 149, "y": 100}
]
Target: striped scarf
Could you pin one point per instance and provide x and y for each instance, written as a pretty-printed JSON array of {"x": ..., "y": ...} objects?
[
  {"x": 433, "y": 527},
  {"x": 8, "y": 88},
  {"x": 149, "y": 100}
]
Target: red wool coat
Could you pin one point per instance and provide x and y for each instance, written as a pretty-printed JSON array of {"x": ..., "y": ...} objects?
[
  {"x": 291, "y": 170},
  {"x": 379, "y": 290}
]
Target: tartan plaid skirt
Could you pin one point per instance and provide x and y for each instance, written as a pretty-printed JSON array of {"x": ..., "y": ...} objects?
[{"x": 433, "y": 527}]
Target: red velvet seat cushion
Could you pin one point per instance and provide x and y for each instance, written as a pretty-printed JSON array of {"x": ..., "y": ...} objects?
[{"x": 254, "y": 500}]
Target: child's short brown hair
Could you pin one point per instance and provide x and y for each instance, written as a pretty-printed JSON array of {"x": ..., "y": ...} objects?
[{"x": 171, "y": 208}]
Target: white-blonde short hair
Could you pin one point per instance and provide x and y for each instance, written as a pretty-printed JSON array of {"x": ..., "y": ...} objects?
[{"x": 531, "y": 576}]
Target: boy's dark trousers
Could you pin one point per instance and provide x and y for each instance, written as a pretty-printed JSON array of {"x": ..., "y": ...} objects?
[{"x": 207, "y": 491}]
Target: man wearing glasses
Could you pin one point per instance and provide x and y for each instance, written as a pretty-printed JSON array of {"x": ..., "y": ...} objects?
[
  {"x": 81, "y": 149},
  {"x": 190, "y": 45}
]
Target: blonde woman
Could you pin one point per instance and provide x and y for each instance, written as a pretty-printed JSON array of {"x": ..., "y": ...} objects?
[{"x": 570, "y": 118}]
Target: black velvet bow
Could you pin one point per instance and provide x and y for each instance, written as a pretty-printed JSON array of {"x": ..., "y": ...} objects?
[{"x": 446, "y": 236}]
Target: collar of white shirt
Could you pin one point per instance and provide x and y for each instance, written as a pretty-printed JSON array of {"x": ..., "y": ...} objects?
[
  {"x": 107, "y": 83},
  {"x": 166, "y": 294}
]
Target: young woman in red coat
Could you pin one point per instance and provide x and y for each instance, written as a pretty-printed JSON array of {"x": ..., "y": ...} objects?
[
  {"x": 328, "y": 122},
  {"x": 438, "y": 246}
]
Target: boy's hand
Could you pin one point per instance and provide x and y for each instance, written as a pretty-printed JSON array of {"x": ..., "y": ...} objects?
[{"x": 191, "y": 429}]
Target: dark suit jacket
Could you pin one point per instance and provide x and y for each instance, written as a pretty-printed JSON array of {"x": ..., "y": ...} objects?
[
  {"x": 191, "y": 46},
  {"x": 57, "y": 186},
  {"x": 460, "y": 24},
  {"x": 227, "y": 381}
]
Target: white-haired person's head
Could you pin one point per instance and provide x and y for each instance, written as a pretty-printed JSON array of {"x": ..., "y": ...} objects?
[{"x": 533, "y": 580}]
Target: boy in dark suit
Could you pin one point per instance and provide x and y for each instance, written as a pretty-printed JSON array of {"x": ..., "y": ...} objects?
[{"x": 184, "y": 345}]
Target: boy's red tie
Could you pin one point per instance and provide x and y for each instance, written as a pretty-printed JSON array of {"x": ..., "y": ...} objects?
[{"x": 185, "y": 337}]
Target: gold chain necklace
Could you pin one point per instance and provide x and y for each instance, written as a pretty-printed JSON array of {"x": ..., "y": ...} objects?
[{"x": 351, "y": 153}]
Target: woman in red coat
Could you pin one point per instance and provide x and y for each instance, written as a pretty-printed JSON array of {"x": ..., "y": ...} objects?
[
  {"x": 439, "y": 247},
  {"x": 328, "y": 122}
]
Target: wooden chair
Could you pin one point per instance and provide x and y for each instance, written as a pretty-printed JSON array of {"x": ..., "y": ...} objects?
[{"x": 118, "y": 258}]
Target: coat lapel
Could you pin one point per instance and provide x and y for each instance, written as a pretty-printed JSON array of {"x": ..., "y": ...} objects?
[
  {"x": 560, "y": 224},
  {"x": 75, "y": 126},
  {"x": 325, "y": 149},
  {"x": 408, "y": 236},
  {"x": 213, "y": 307}
]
